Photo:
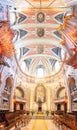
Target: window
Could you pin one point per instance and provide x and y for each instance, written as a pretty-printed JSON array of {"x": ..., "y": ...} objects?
[
  {"x": 57, "y": 66},
  {"x": 40, "y": 72},
  {"x": 23, "y": 66}
]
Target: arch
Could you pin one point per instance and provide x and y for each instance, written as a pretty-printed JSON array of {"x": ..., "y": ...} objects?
[
  {"x": 8, "y": 92},
  {"x": 60, "y": 92},
  {"x": 71, "y": 82},
  {"x": 9, "y": 81},
  {"x": 40, "y": 71},
  {"x": 8, "y": 84},
  {"x": 19, "y": 92}
]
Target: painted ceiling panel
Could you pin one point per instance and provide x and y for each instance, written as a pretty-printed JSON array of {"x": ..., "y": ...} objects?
[
  {"x": 52, "y": 61},
  {"x": 30, "y": 33},
  {"x": 43, "y": 50},
  {"x": 32, "y": 16},
  {"x": 25, "y": 50},
  {"x": 57, "y": 51},
  {"x": 34, "y": 35},
  {"x": 23, "y": 33},
  {"x": 20, "y": 17},
  {"x": 59, "y": 17},
  {"x": 34, "y": 52},
  {"x": 57, "y": 34},
  {"x": 28, "y": 62}
]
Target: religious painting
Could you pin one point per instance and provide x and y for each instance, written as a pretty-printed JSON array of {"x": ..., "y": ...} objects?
[{"x": 40, "y": 94}]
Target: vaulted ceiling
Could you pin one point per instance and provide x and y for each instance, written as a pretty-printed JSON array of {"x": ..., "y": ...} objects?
[{"x": 37, "y": 39}]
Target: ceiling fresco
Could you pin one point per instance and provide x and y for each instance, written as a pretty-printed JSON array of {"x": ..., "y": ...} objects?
[{"x": 36, "y": 24}]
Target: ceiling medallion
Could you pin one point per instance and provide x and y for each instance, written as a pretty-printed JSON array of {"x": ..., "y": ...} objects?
[
  {"x": 40, "y": 49},
  {"x": 40, "y": 32},
  {"x": 40, "y": 17}
]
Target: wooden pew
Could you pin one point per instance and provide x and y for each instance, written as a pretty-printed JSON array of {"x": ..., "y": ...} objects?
[{"x": 65, "y": 121}]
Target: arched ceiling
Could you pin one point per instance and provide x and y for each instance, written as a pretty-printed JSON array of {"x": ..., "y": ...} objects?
[{"x": 36, "y": 24}]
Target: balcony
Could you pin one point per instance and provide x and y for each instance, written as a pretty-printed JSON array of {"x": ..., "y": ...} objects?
[
  {"x": 4, "y": 106},
  {"x": 20, "y": 99},
  {"x": 74, "y": 90},
  {"x": 74, "y": 107},
  {"x": 74, "y": 95}
]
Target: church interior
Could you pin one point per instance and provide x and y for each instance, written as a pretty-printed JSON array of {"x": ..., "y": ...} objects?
[{"x": 38, "y": 64}]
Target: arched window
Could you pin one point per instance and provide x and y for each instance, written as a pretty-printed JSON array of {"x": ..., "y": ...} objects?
[
  {"x": 8, "y": 84},
  {"x": 40, "y": 71},
  {"x": 72, "y": 84},
  {"x": 61, "y": 92},
  {"x": 23, "y": 66},
  {"x": 57, "y": 66},
  {"x": 19, "y": 92}
]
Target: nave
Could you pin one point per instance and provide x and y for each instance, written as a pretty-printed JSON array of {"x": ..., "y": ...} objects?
[{"x": 38, "y": 122}]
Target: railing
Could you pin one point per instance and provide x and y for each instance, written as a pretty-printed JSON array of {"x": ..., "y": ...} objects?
[
  {"x": 4, "y": 107},
  {"x": 22, "y": 99},
  {"x": 60, "y": 99},
  {"x": 74, "y": 106}
]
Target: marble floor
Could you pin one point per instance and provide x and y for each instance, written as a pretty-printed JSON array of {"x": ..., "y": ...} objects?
[{"x": 39, "y": 124}]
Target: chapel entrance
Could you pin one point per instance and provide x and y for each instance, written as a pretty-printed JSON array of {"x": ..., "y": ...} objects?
[
  {"x": 40, "y": 96},
  {"x": 39, "y": 106},
  {"x": 39, "y": 109}
]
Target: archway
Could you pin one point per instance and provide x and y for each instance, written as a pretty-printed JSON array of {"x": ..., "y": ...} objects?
[
  {"x": 72, "y": 89},
  {"x": 8, "y": 92},
  {"x": 61, "y": 96},
  {"x": 39, "y": 106},
  {"x": 19, "y": 97},
  {"x": 72, "y": 84}
]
